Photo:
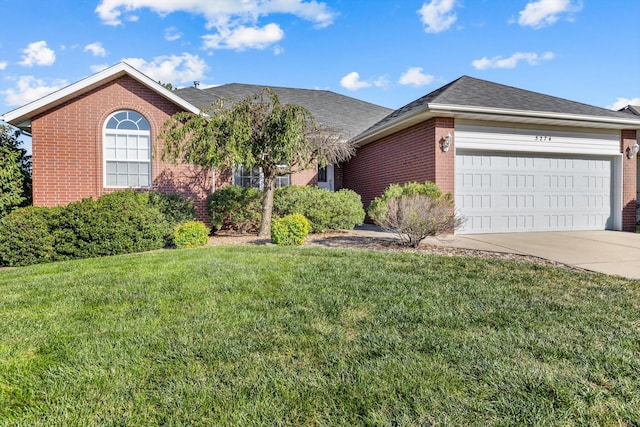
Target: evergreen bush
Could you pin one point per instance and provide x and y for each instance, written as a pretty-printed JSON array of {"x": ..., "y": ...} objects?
[
  {"x": 116, "y": 223},
  {"x": 190, "y": 234},
  {"x": 176, "y": 208},
  {"x": 290, "y": 230},
  {"x": 25, "y": 238},
  {"x": 235, "y": 208},
  {"x": 325, "y": 210}
]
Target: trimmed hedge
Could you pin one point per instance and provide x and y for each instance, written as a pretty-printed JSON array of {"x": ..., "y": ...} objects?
[
  {"x": 176, "y": 208},
  {"x": 190, "y": 234},
  {"x": 116, "y": 223},
  {"x": 325, "y": 210},
  {"x": 239, "y": 209},
  {"x": 235, "y": 208},
  {"x": 290, "y": 230},
  {"x": 25, "y": 238}
]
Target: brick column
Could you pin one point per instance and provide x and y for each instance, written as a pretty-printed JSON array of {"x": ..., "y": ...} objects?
[
  {"x": 629, "y": 183},
  {"x": 444, "y": 160}
]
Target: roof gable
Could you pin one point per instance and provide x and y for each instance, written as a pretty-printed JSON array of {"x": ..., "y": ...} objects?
[{"x": 22, "y": 116}]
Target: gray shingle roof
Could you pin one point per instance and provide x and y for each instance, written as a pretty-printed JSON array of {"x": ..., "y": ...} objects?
[
  {"x": 348, "y": 115},
  {"x": 632, "y": 109},
  {"x": 471, "y": 92}
]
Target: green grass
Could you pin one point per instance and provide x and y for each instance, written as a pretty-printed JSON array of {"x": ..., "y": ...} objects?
[{"x": 250, "y": 335}]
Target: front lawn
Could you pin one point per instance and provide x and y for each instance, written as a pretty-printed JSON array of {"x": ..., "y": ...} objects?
[{"x": 257, "y": 335}]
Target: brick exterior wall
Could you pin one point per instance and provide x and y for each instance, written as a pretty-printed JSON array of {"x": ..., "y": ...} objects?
[
  {"x": 413, "y": 154},
  {"x": 67, "y": 148},
  {"x": 629, "y": 181}
]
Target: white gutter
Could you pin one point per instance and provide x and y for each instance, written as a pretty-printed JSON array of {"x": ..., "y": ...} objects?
[
  {"x": 495, "y": 114},
  {"x": 437, "y": 108}
]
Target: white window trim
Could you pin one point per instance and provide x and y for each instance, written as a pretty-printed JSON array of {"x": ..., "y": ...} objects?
[
  {"x": 127, "y": 132},
  {"x": 260, "y": 179}
]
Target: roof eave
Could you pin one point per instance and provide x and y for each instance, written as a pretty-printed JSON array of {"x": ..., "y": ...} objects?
[
  {"x": 22, "y": 116},
  {"x": 495, "y": 114}
]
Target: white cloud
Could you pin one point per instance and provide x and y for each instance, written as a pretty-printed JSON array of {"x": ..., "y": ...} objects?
[
  {"x": 381, "y": 81},
  {"x": 415, "y": 77},
  {"x": 98, "y": 67},
  {"x": 623, "y": 102},
  {"x": 172, "y": 34},
  {"x": 541, "y": 13},
  {"x": 512, "y": 61},
  {"x": 241, "y": 38},
  {"x": 37, "y": 53},
  {"x": 352, "y": 82},
  {"x": 3, "y": 65},
  {"x": 96, "y": 49},
  {"x": 29, "y": 88},
  {"x": 235, "y": 22},
  {"x": 437, "y": 15},
  {"x": 172, "y": 69}
]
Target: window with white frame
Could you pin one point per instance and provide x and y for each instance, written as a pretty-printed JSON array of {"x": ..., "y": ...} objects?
[
  {"x": 246, "y": 177},
  {"x": 127, "y": 150}
]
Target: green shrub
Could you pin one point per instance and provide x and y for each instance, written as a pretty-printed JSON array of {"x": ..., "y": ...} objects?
[
  {"x": 235, "y": 208},
  {"x": 325, "y": 210},
  {"x": 175, "y": 207},
  {"x": 290, "y": 230},
  {"x": 190, "y": 234},
  {"x": 116, "y": 223},
  {"x": 414, "y": 211},
  {"x": 25, "y": 238},
  {"x": 377, "y": 207}
]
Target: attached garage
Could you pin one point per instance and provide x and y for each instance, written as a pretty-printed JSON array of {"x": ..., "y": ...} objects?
[
  {"x": 515, "y": 160},
  {"x": 517, "y": 179}
]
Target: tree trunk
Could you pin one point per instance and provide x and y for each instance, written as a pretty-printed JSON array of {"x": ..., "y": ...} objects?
[{"x": 267, "y": 203}]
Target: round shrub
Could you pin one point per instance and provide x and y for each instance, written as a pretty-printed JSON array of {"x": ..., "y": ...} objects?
[
  {"x": 325, "y": 210},
  {"x": 235, "y": 208},
  {"x": 414, "y": 211},
  {"x": 117, "y": 223},
  {"x": 25, "y": 238},
  {"x": 290, "y": 230},
  {"x": 190, "y": 234},
  {"x": 378, "y": 207}
]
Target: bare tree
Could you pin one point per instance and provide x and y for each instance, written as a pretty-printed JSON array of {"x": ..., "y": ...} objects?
[{"x": 414, "y": 217}]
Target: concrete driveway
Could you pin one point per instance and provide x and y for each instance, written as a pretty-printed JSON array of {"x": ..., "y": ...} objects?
[{"x": 609, "y": 252}]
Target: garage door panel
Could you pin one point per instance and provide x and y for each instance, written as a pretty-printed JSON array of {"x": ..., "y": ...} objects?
[{"x": 516, "y": 192}]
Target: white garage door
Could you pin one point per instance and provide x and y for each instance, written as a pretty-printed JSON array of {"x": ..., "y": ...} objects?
[{"x": 500, "y": 193}]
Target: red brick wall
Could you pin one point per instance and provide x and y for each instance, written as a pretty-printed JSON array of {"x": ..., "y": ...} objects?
[
  {"x": 305, "y": 177},
  {"x": 629, "y": 171},
  {"x": 68, "y": 151},
  {"x": 413, "y": 154},
  {"x": 67, "y": 148}
]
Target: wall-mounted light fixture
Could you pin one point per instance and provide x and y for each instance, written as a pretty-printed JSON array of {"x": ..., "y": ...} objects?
[
  {"x": 446, "y": 142},
  {"x": 633, "y": 151}
]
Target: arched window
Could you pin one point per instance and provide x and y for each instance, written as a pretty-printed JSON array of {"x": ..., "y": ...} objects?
[{"x": 127, "y": 150}]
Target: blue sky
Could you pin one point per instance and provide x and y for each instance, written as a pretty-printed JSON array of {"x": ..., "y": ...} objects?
[{"x": 382, "y": 51}]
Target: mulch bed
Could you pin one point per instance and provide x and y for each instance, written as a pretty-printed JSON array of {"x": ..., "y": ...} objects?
[{"x": 346, "y": 239}]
